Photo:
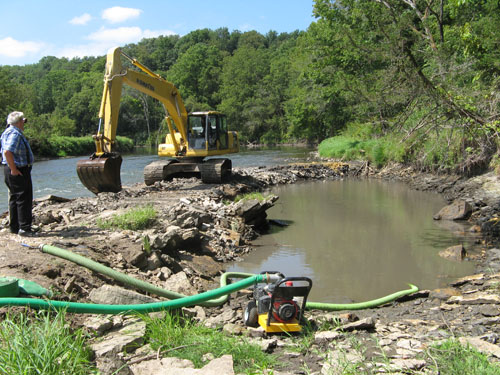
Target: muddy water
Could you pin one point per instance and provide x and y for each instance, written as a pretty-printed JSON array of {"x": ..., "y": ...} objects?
[{"x": 358, "y": 239}]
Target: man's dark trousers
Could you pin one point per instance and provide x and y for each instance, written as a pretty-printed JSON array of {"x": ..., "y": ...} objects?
[{"x": 20, "y": 198}]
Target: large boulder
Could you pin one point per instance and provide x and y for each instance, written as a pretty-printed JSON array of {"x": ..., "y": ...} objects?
[
  {"x": 114, "y": 295},
  {"x": 456, "y": 252},
  {"x": 458, "y": 210}
]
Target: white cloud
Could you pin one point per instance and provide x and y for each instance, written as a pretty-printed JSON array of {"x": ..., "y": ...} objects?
[
  {"x": 120, "y": 14},
  {"x": 81, "y": 20},
  {"x": 122, "y": 35},
  {"x": 10, "y": 47}
]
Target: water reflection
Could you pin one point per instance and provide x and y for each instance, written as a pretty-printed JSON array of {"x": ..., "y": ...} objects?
[{"x": 357, "y": 239}]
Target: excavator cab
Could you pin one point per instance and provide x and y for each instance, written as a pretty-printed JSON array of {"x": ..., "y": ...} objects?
[{"x": 207, "y": 131}]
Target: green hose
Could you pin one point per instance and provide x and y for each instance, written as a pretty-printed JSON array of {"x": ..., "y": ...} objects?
[
  {"x": 361, "y": 305},
  {"x": 142, "y": 285},
  {"x": 90, "y": 308},
  {"x": 211, "y": 298},
  {"x": 139, "y": 284}
]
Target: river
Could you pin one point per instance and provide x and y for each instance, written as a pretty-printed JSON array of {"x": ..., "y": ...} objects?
[{"x": 58, "y": 176}]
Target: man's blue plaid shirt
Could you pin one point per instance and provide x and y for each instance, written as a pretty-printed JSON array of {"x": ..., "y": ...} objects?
[{"x": 13, "y": 140}]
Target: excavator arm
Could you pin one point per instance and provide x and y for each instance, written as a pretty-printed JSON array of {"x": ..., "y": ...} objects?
[{"x": 149, "y": 83}]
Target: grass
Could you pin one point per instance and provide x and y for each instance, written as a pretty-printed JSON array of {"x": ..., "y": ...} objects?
[
  {"x": 376, "y": 150},
  {"x": 134, "y": 219},
  {"x": 42, "y": 343},
  {"x": 253, "y": 195},
  {"x": 189, "y": 340},
  {"x": 453, "y": 358}
]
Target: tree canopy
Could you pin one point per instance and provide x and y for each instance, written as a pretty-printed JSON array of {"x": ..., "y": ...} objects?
[{"x": 422, "y": 73}]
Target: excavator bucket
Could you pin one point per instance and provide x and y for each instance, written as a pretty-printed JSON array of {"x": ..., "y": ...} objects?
[{"x": 100, "y": 174}]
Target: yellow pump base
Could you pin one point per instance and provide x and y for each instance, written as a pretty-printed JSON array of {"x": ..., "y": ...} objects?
[{"x": 277, "y": 327}]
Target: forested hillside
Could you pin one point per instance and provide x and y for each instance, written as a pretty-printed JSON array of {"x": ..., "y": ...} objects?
[{"x": 406, "y": 80}]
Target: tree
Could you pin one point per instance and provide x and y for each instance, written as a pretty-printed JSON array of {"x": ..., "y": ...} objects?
[{"x": 197, "y": 74}]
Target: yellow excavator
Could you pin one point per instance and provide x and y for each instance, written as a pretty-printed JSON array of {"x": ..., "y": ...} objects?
[{"x": 190, "y": 140}]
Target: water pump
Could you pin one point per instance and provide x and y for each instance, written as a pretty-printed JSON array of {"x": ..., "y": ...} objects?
[{"x": 278, "y": 306}]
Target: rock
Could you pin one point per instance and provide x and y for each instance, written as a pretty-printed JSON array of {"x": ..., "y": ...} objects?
[
  {"x": 52, "y": 199},
  {"x": 196, "y": 312},
  {"x": 325, "y": 337},
  {"x": 477, "y": 299},
  {"x": 203, "y": 265},
  {"x": 219, "y": 366},
  {"x": 154, "y": 261},
  {"x": 233, "y": 329},
  {"x": 256, "y": 332},
  {"x": 114, "y": 295},
  {"x": 456, "y": 252},
  {"x": 176, "y": 238},
  {"x": 489, "y": 310},
  {"x": 409, "y": 344},
  {"x": 468, "y": 279},
  {"x": 336, "y": 360},
  {"x": 46, "y": 218},
  {"x": 170, "y": 365},
  {"x": 363, "y": 324},
  {"x": 458, "y": 210},
  {"x": 180, "y": 283},
  {"x": 444, "y": 293},
  {"x": 481, "y": 345},
  {"x": 252, "y": 211},
  {"x": 267, "y": 345},
  {"x": 126, "y": 339},
  {"x": 406, "y": 364},
  {"x": 338, "y": 318},
  {"x": 135, "y": 256},
  {"x": 164, "y": 273},
  {"x": 112, "y": 365},
  {"x": 98, "y": 324}
]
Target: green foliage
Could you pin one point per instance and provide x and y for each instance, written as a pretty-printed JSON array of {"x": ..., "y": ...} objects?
[
  {"x": 42, "y": 343},
  {"x": 71, "y": 146},
  {"x": 378, "y": 151},
  {"x": 186, "y": 339},
  {"x": 253, "y": 195},
  {"x": 452, "y": 358},
  {"x": 134, "y": 219},
  {"x": 422, "y": 77}
]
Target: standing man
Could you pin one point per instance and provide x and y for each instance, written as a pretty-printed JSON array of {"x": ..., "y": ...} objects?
[{"x": 17, "y": 159}]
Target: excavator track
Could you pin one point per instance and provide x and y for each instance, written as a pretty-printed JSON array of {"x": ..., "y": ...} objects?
[{"x": 212, "y": 171}]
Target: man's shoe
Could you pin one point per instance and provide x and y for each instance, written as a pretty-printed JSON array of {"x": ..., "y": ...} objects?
[{"x": 26, "y": 233}]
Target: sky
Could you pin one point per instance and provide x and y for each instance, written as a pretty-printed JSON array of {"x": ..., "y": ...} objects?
[{"x": 32, "y": 29}]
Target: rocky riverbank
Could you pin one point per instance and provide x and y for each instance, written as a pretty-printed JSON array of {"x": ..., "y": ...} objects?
[{"x": 200, "y": 227}]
